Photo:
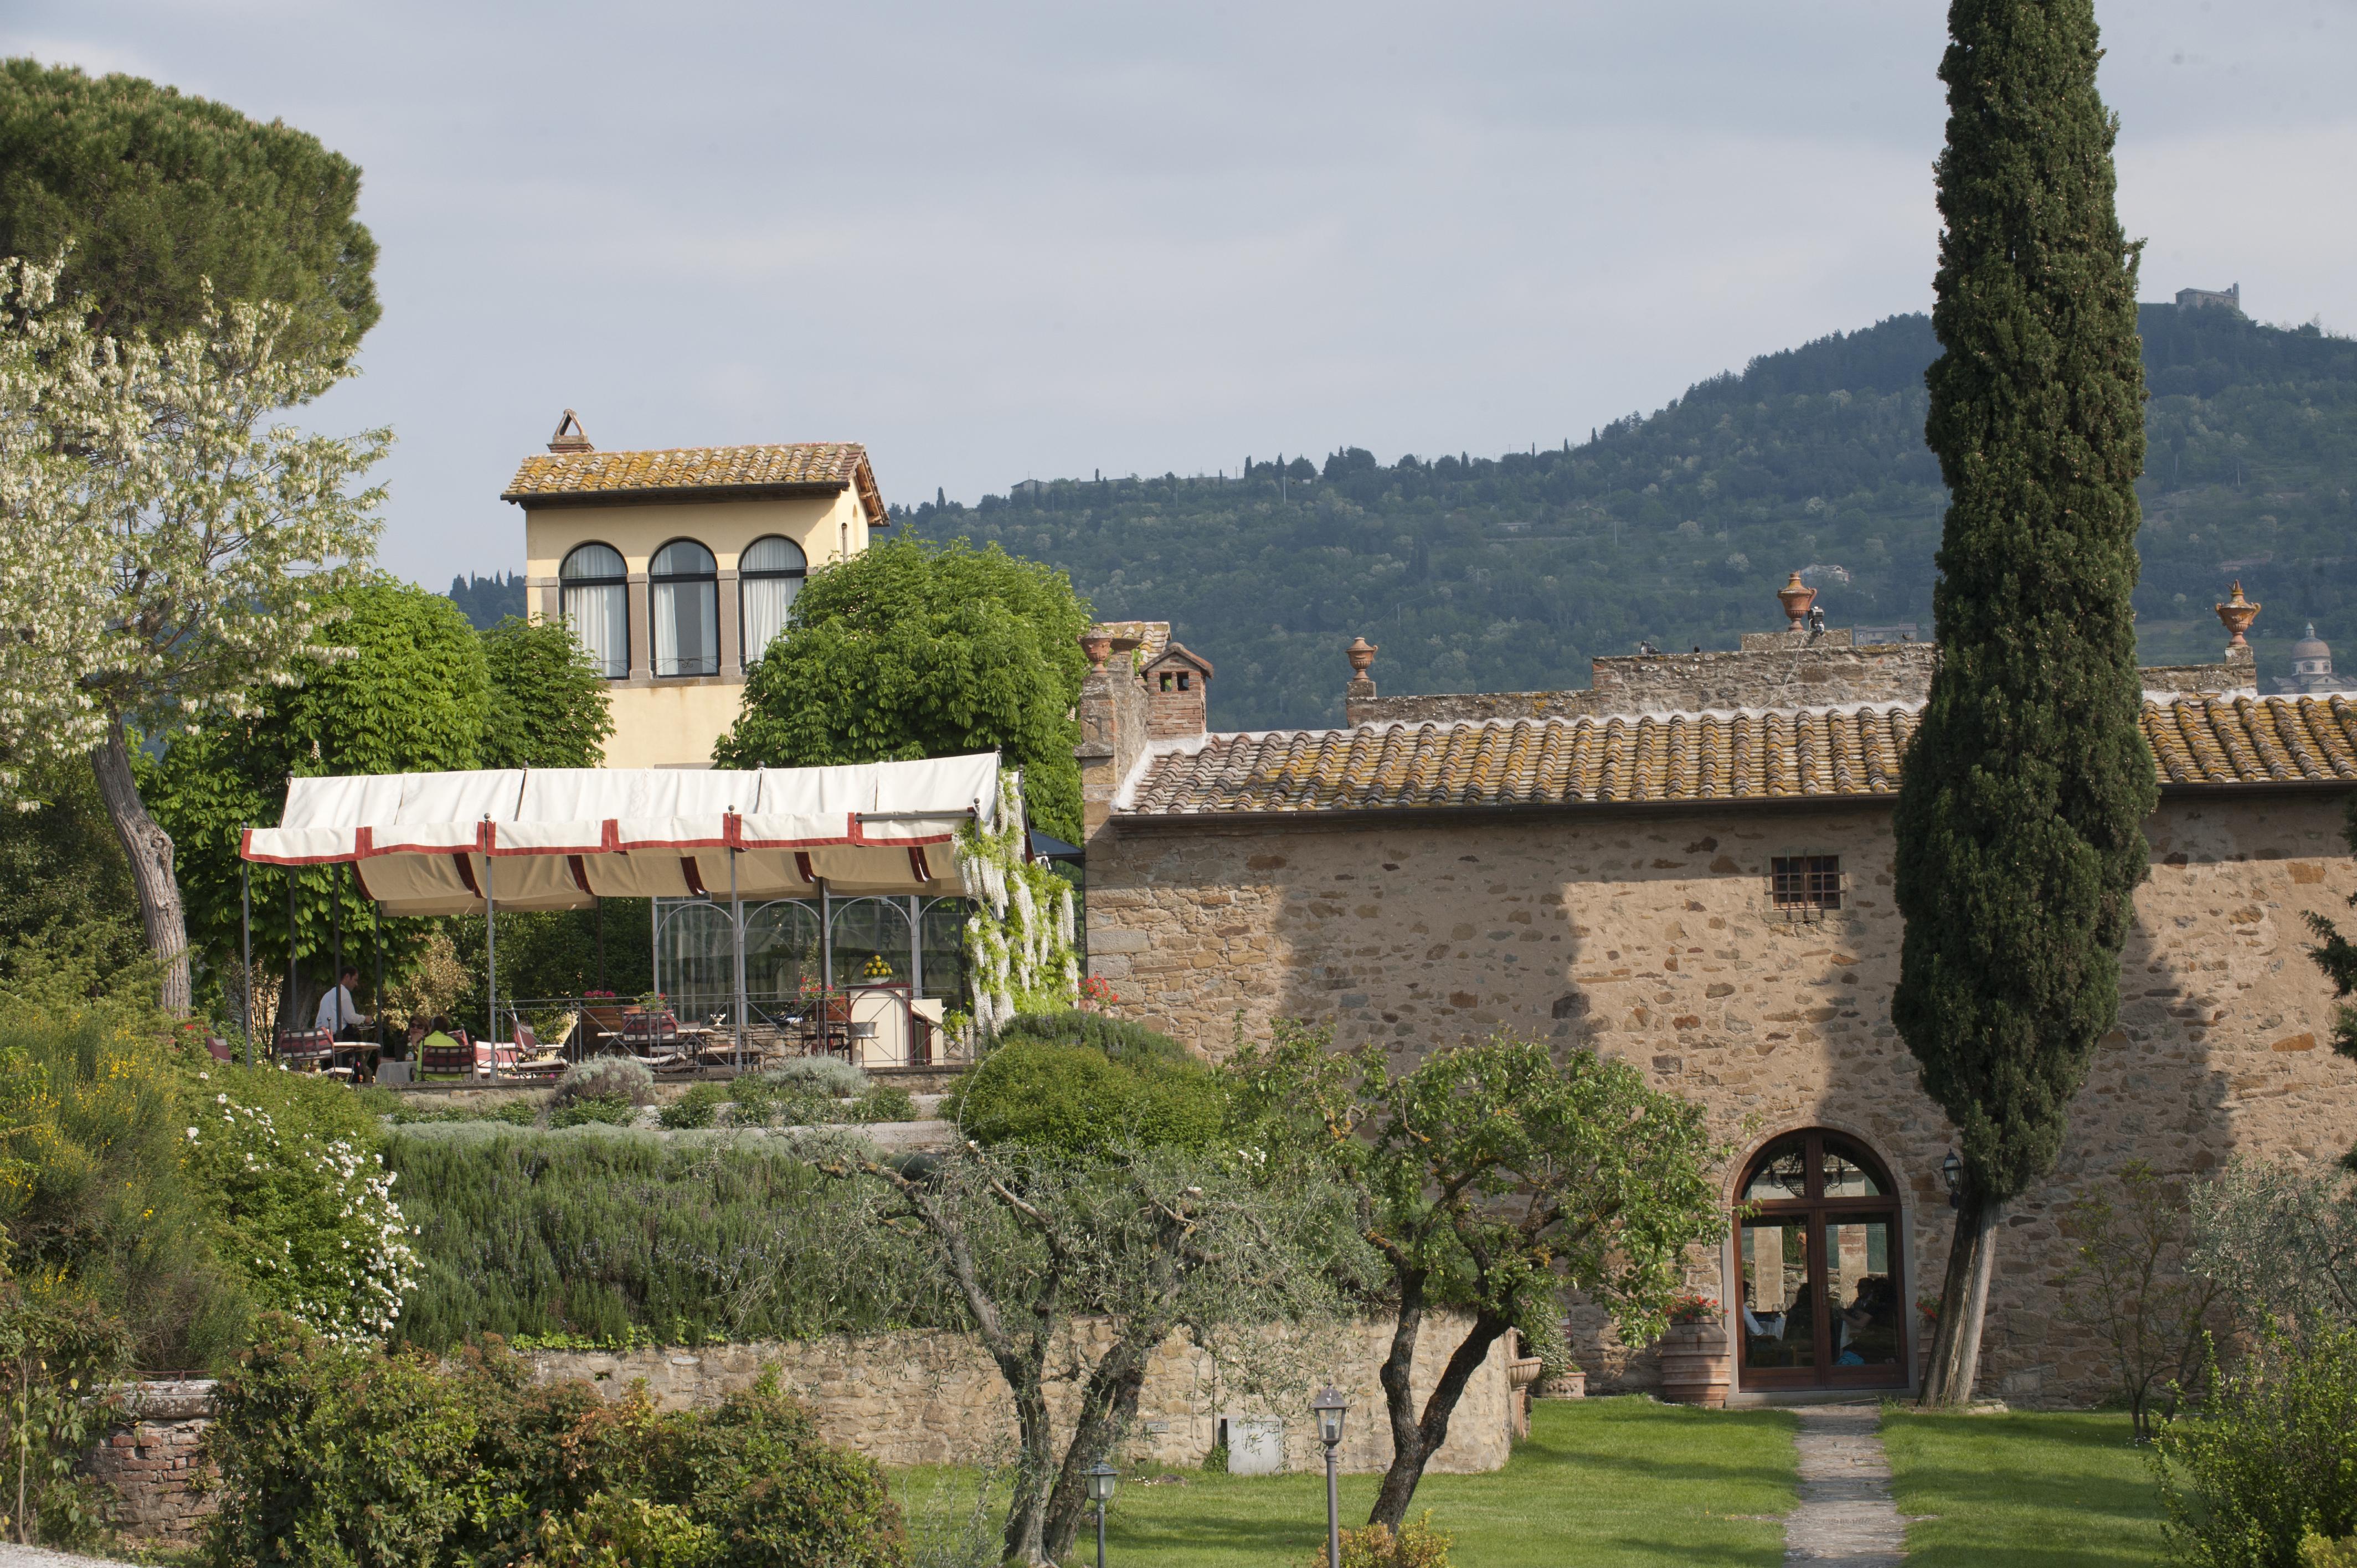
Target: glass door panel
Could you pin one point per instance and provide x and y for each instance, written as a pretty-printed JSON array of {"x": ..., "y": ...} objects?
[
  {"x": 1779, "y": 1316},
  {"x": 1861, "y": 1293}
]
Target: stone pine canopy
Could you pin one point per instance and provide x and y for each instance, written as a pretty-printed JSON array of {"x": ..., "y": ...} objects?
[{"x": 2198, "y": 741}]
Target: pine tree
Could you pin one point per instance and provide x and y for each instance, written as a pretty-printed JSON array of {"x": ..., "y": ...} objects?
[{"x": 2019, "y": 818}]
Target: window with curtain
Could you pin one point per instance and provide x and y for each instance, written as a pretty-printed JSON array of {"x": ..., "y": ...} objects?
[
  {"x": 594, "y": 598},
  {"x": 769, "y": 574},
  {"x": 686, "y": 609}
]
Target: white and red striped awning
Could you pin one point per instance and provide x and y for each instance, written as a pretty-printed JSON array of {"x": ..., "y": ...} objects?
[{"x": 559, "y": 838}]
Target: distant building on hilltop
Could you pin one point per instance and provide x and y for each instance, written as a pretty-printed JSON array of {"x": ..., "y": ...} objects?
[
  {"x": 2192, "y": 298},
  {"x": 2311, "y": 666}
]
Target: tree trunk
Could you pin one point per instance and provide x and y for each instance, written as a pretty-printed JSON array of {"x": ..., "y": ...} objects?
[
  {"x": 1415, "y": 1438},
  {"x": 1963, "y": 1304},
  {"x": 1027, "y": 1510},
  {"x": 148, "y": 848},
  {"x": 1108, "y": 1402}
]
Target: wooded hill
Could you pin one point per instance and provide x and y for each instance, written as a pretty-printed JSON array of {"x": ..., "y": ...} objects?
[{"x": 1508, "y": 574}]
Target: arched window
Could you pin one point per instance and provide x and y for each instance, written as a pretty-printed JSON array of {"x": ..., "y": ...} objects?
[
  {"x": 769, "y": 574},
  {"x": 593, "y": 596},
  {"x": 1822, "y": 1299},
  {"x": 686, "y": 607}
]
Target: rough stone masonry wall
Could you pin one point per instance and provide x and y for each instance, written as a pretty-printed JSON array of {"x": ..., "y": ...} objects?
[
  {"x": 152, "y": 1461},
  {"x": 935, "y": 1397},
  {"x": 1653, "y": 938},
  {"x": 1771, "y": 669}
]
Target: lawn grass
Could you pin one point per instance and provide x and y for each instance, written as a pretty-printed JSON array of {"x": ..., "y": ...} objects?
[
  {"x": 1606, "y": 1483},
  {"x": 2046, "y": 1491}
]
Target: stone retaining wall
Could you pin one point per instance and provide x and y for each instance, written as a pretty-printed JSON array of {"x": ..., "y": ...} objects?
[
  {"x": 152, "y": 1462},
  {"x": 934, "y": 1398}
]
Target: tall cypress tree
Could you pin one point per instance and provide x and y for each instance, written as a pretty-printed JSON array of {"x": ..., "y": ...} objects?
[{"x": 2019, "y": 816}]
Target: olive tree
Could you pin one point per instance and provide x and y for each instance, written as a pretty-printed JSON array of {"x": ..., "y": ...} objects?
[
  {"x": 1143, "y": 1243},
  {"x": 166, "y": 549},
  {"x": 1492, "y": 1179}
]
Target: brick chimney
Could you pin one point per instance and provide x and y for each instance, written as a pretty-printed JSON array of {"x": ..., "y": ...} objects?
[
  {"x": 570, "y": 437},
  {"x": 1112, "y": 713},
  {"x": 1178, "y": 684}
]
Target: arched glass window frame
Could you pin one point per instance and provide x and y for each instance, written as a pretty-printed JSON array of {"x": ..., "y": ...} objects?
[
  {"x": 797, "y": 574},
  {"x": 618, "y": 580},
  {"x": 657, "y": 601},
  {"x": 1811, "y": 1209}
]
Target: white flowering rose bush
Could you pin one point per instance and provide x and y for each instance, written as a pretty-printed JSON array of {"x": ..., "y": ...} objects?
[{"x": 309, "y": 1213}]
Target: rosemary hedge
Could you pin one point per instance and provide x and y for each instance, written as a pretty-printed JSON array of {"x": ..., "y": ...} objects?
[{"x": 603, "y": 1236}]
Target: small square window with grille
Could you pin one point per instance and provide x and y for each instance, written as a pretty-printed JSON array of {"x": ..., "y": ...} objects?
[{"x": 1805, "y": 881}]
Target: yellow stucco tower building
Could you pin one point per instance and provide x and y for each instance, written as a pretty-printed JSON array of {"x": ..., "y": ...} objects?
[{"x": 674, "y": 568}]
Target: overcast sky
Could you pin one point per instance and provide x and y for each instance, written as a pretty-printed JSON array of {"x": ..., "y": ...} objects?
[{"x": 1002, "y": 241}]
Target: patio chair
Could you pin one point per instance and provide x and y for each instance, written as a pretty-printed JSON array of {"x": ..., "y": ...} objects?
[
  {"x": 457, "y": 1059},
  {"x": 218, "y": 1049},
  {"x": 529, "y": 1061},
  {"x": 305, "y": 1050},
  {"x": 601, "y": 1028},
  {"x": 650, "y": 1034}
]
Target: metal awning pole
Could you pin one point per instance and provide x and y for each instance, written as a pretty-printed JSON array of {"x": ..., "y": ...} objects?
[
  {"x": 826, "y": 973},
  {"x": 916, "y": 986},
  {"x": 737, "y": 925},
  {"x": 287, "y": 1001},
  {"x": 245, "y": 941},
  {"x": 336, "y": 939},
  {"x": 376, "y": 997},
  {"x": 492, "y": 948}
]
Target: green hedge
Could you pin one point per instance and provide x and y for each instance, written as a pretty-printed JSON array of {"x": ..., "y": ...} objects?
[
  {"x": 606, "y": 1235},
  {"x": 1076, "y": 1100}
]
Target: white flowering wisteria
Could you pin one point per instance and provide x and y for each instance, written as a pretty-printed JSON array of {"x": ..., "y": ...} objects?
[
  {"x": 165, "y": 545},
  {"x": 1020, "y": 939},
  {"x": 313, "y": 1220}
]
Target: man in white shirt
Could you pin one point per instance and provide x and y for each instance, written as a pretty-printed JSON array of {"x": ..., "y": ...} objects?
[{"x": 338, "y": 1012}]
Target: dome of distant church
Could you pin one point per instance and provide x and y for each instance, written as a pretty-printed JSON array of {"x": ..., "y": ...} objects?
[{"x": 2310, "y": 646}]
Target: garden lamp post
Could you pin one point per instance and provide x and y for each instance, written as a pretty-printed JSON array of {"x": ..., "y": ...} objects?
[
  {"x": 1101, "y": 1477},
  {"x": 1951, "y": 1171},
  {"x": 1330, "y": 1405}
]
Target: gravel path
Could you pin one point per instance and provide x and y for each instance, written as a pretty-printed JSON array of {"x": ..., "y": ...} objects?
[
  {"x": 1845, "y": 1519},
  {"x": 42, "y": 1557}
]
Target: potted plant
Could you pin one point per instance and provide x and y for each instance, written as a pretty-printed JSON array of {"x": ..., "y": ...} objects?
[
  {"x": 1696, "y": 1367},
  {"x": 1097, "y": 994}
]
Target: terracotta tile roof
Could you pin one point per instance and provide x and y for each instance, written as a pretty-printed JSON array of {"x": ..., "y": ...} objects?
[
  {"x": 1652, "y": 758},
  {"x": 591, "y": 476}
]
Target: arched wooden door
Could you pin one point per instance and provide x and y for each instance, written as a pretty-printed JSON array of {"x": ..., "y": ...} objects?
[{"x": 1821, "y": 1295}]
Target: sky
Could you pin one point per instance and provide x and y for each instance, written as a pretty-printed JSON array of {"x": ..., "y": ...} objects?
[{"x": 1010, "y": 240}]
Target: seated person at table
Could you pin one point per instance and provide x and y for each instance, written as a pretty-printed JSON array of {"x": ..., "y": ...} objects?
[
  {"x": 407, "y": 1045},
  {"x": 1867, "y": 1329},
  {"x": 1760, "y": 1326},
  {"x": 339, "y": 1015}
]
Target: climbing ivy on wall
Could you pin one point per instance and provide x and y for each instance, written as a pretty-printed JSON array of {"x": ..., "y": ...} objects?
[{"x": 1019, "y": 941}]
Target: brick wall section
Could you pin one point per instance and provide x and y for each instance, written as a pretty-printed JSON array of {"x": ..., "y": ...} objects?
[
  {"x": 153, "y": 1464},
  {"x": 935, "y": 1399},
  {"x": 1651, "y": 937}
]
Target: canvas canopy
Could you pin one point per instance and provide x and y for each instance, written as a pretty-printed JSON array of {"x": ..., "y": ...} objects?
[{"x": 561, "y": 838}]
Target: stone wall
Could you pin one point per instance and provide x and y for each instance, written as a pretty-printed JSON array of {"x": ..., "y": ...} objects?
[
  {"x": 935, "y": 1397},
  {"x": 152, "y": 1461},
  {"x": 1653, "y": 938},
  {"x": 1787, "y": 670}
]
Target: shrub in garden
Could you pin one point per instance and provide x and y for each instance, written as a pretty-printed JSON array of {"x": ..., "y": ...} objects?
[
  {"x": 54, "y": 1355},
  {"x": 2314, "y": 1551},
  {"x": 328, "y": 1455},
  {"x": 2271, "y": 1458},
  {"x": 885, "y": 1102},
  {"x": 830, "y": 1076},
  {"x": 1076, "y": 1101},
  {"x": 1118, "y": 1038},
  {"x": 697, "y": 1107},
  {"x": 606, "y": 1078},
  {"x": 689, "y": 1238},
  {"x": 606, "y": 1110},
  {"x": 1416, "y": 1546}
]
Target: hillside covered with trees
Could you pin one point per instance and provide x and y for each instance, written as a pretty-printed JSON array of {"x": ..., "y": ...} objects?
[{"x": 1509, "y": 572}]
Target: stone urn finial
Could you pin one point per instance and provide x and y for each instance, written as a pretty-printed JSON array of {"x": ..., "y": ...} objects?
[
  {"x": 1796, "y": 597},
  {"x": 1362, "y": 655},
  {"x": 1097, "y": 643},
  {"x": 2237, "y": 613}
]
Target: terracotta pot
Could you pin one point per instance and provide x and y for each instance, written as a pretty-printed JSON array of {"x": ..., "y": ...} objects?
[
  {"x": 1571, "y": 1385},
  {"x": 1695, "y": 1365},
  {"x": 1796, "y": 597},
  {"x": 2237, "y": 613}
]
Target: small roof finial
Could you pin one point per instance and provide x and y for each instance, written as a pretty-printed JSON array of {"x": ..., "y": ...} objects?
[
  {"x": 1362, "y": 655},
  {"x": 1796, "y": 597},
  {"x": 577, "y": 441},
  {"x": 2237, "y": 614}
]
